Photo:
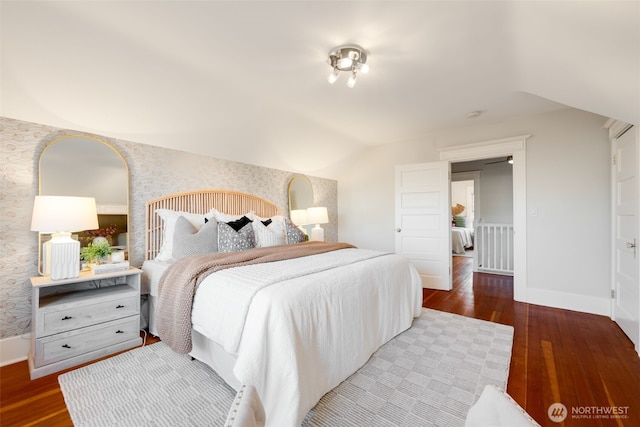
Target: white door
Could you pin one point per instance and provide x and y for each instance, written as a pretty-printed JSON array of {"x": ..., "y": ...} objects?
[
  {"x": 626, "y": 302},
  {"x": 423, "y": 221}
]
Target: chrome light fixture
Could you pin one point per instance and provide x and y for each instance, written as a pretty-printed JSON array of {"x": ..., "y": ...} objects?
[{"x": 351, "y": 59}]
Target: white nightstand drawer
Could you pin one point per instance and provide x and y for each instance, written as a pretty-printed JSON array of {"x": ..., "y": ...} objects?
[
  {"x": 70, "y": 344},
  {"x": 83, "y": 318},
  {"x": 92, "y": 310}
]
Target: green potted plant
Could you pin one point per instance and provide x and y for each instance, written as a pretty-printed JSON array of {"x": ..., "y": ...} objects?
[{"x": 95, "y": 253}]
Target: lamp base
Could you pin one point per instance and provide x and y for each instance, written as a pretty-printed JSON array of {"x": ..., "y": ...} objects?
[
  {"x": 317, "y": 234},
  {"x": 61, "y": 257}
]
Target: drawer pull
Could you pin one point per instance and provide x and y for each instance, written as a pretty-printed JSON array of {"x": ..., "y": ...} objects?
[
  {"x": 67, "y": 318},
  {"x": 119, "y": 332},
  {"x": 120, "y": 306},
  {"x": 66, "y": 346}
]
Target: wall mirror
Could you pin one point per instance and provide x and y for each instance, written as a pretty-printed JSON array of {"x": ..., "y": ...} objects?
[
  {"x": 79, "y": 165},
  {"x": 300, "y": 196},
  {"x": 300, "y": 193}
]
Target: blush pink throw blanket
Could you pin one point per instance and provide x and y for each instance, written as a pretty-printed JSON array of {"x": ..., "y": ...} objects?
[{"x": 178, "y": 284}]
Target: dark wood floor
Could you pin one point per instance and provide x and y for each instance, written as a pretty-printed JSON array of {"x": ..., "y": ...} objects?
[
  {"x": 579, "y": 360},
  {"x": 39, "y": 402}
]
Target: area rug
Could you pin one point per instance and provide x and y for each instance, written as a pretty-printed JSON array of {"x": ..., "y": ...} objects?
[{"x": 430, "y": 374}]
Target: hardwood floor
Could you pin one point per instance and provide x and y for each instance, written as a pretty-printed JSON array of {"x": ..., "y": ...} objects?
[
  {"x": 581, "y": 360},
  {"x": 39, "y": 402}
]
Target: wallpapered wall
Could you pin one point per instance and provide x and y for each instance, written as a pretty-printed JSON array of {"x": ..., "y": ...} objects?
[{"x": 153, "y": 172}]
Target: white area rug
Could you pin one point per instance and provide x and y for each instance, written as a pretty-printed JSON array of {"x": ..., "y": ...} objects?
[{"x": 429, "y": 375}]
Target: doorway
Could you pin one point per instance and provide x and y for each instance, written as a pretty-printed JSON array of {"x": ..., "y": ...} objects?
[
  {"x": 516, "y": 148},
  {"x": 463, "y": 211}
]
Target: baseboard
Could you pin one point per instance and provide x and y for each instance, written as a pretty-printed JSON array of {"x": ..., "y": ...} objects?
[
  {"x": 568, "y": 301},
  {"x": 14, "y": 349}
]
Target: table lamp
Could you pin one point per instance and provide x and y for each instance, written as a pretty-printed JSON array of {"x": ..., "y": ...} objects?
[
  {"x": 317, "y": 216},
  {"x": 299, "y": 218},
  {"x": 59, "y": 216}
]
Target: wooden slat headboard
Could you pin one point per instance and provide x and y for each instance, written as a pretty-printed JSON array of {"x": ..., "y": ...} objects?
[{"x": 201, "y": 202}]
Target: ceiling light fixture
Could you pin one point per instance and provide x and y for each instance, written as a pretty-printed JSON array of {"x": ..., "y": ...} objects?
[{"x": 347, "y": 58}]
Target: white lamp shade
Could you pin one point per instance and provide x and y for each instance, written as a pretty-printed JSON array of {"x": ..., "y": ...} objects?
[
  {"x": 317, "y": 215},
  {"x": 64, "y": 213},
  {"x": 299, "y": 217}
]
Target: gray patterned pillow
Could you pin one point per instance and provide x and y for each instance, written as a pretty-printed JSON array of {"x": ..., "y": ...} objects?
[
  {"x": 189, "y": 241},
  {"x": 230, "y": 240},
  {"x": 293, "y": 233}
]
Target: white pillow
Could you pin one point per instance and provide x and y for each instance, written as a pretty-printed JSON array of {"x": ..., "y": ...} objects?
[
  {"x": 223, "y": 217},
  {"x": 275, "y": 218},
  {"x": 169, "y": 218},
  {"x": 269, "y": 235}
]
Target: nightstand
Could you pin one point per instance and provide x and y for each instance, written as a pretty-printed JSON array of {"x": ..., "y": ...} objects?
[{"x": 81, "y": 319}]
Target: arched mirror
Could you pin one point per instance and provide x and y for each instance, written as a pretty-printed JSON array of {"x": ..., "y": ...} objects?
[
  {"x": 300, "y": 198},
  {"x": 300, "y": 193},
  {"x": 79, "y": 165}
]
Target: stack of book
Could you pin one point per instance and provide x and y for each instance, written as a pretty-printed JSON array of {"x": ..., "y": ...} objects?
[{"x": 110, "y": 268}]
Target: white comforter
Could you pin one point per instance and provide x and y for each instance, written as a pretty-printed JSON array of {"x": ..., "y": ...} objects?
[
  {"x": 310, "y": 322},
  {"x": 461, "y": 238}
]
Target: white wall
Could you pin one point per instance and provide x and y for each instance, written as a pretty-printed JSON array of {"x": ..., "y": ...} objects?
[
  {"x": 366, "y": 194},
  {"x": 568, "y": 248},
  {"x": 495, "y": 192},
  {"x": 154, "y": 172}
]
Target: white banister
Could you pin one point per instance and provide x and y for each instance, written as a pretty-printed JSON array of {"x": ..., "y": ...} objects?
[{"x": 494, "y": 246}]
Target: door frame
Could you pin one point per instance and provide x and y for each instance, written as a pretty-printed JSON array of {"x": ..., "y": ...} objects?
[
  {"x": 516, "y": 147},
  {"x": 616, "y": 130}
]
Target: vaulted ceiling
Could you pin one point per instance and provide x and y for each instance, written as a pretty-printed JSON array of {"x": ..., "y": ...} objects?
[{"x": 246, "y": 80}]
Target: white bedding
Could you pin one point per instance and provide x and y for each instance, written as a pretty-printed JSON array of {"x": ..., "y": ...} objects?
[
  {"x": 461, "y": 239},
  {"x": 152, "y": 270},
  {"x": 222, "y": 301},
  {"x": 306, "y": 333}
]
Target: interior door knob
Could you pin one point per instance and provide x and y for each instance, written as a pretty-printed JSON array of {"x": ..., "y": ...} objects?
[
  {"x": 632, "y": 246},
  {"x": 398, "y": 230}
]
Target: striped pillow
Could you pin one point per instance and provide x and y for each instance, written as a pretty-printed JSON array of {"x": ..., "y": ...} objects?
[
  {"x": 461, "y": 221},
  {"x": 271, "y": 234}
]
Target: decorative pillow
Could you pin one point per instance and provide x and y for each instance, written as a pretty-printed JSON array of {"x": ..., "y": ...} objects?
[
  {"x": 169, "y": 218},
  {"x": 461, "y": 221},
  {"x": 223, "y": 217},
  {"x": 269, "y": 234},
  {"x": 277, "y": 218},
  {"x": 293, "y": 233},
  {"x": 230, "y": 240},
  {"x": 246, "y": 410},
  {"x": 189, "y": 241},
  {"x": 239, "y": 223}
]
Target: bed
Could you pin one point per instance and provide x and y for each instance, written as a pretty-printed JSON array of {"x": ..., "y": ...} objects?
[
  {"x": 293, "y": 328},
  {"x": 461, "y": 239}
]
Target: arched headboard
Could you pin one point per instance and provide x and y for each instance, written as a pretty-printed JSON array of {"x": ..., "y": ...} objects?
[{"x": 201, "y": 202}]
